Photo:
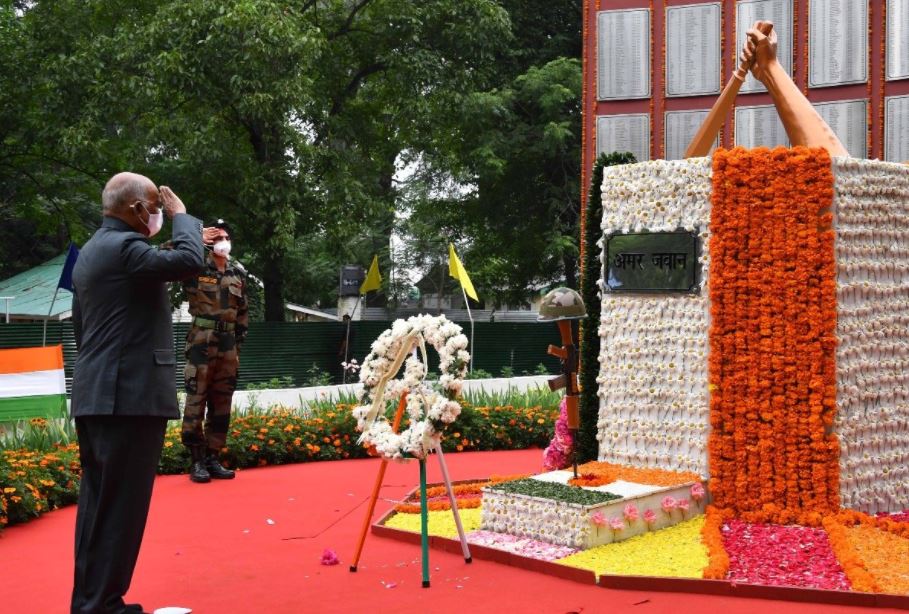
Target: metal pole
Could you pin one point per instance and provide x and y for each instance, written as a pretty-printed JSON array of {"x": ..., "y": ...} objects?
[
  {"x": 7, "y": 299},
  {"x": 470, "y": 316},
  {"x": 424, "y": 524},
  {"x": 49, "y": 312},
  {"x": 347, "y": 337},
  {"x": 465, "y": 550}
]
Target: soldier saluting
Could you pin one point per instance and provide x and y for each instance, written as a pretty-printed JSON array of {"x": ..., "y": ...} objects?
[{"x": 218, "y": 303}]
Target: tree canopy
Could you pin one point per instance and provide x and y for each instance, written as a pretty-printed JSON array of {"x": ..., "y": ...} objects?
[{"x": 292, "y": 120}]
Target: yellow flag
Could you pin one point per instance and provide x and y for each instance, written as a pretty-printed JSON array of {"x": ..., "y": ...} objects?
[
  {"x": 457, "y": 270},
  {"x": 373, "y": 279}
]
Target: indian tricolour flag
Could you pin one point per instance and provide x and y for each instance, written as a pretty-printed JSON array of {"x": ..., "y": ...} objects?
[{"x": 32, "y": 383}]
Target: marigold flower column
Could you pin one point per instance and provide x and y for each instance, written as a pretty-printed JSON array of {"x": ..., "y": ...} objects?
[{"x": 772, "y": 337}]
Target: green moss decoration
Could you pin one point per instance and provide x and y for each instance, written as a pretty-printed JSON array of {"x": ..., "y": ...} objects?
[
  {"x": 556, "y": 491},
  {"x": 590, "y": 339}
]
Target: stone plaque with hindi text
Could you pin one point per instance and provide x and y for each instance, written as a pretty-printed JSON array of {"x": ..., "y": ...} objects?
[
  {"x": 759, "y": 126},
  {"x": 849, "y": 121},
  {"x": 896, "y": 128},
  {"x": 624, "y": 133},
  {"x": 662, "y": 262},
  {"x": 777, "y": 11},
  {"x": 693, "y": 49},
  {"x": 679, "y": 128},
  {"x": 837, "y": 42},
  {"x": 623, "y": 54}
]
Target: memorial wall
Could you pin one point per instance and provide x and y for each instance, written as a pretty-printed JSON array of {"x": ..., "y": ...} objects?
[{"x": 653, "y": 68}]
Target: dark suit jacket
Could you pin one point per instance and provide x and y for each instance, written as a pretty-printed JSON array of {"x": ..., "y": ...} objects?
[{"x": 122, "y": 319}]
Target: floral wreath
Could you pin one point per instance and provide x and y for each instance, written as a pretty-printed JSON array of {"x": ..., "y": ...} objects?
[{"x": 430, "y": 410}]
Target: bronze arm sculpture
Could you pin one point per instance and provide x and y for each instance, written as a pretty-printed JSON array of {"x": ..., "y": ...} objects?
[{"x": 803, "y": 124}]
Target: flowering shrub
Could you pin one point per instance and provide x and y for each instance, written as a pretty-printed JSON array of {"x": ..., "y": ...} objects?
[
  {"x": 557, "y": 454},
  {"x": 33, "y": 482}
]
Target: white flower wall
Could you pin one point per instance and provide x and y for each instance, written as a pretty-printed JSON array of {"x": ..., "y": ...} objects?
[
  {"x": 654, "y": 403},
  {"x": 871, "y": 206}
]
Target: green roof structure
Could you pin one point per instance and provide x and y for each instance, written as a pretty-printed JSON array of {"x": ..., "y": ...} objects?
[{"x": 32, "y": 292}]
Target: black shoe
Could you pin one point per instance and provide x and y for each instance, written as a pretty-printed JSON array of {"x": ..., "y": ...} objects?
[
  {"x": 217, "y": 470},
  {"x": 134, "y": 608},
  {"x": 198, "y": 473}
]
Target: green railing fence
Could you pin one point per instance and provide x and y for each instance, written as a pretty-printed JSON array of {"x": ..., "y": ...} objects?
[{"x": 294, "y": 351}]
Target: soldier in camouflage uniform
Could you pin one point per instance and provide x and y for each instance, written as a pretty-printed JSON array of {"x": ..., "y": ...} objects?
[{"x": 218, "y": 302}]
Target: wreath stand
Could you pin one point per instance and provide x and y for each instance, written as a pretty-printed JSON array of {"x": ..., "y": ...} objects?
[{"x": 408, "y": 345}]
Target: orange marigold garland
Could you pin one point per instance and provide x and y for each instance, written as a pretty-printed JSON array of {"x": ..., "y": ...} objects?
[
  {"x": 712, "y": 537},
  {"x": 598, "y": 473},
  {"x": 468, "y": 495},
  {"x": 772, "y": 337}
]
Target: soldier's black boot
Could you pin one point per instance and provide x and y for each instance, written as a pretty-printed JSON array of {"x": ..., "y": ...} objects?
[
  {"x": 198, "y": 472},
  {"x": 216, "y": 469}
]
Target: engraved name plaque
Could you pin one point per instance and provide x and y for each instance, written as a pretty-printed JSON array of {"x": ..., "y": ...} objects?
[
  {"x": 652, "y": 262},
  {"x": 623, "y": 54},
  {"x": 780, "y": 13},
  {"x": 624, "y": 133},
  {"x": 838, "y": 42},
  {"x": 693, "y": 49}
]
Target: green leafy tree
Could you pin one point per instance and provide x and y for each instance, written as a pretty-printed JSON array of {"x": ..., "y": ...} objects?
[{"x": 287, "y": 118}]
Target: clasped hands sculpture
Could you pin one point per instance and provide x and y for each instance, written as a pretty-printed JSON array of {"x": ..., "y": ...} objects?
[{"x": 803, "y": 124}]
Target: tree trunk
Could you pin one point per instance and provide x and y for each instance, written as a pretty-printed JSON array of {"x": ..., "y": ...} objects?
[{"x": 273, "y": 279}]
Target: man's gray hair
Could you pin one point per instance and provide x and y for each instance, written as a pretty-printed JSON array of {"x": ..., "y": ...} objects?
[{"x": 123, "y": 189}]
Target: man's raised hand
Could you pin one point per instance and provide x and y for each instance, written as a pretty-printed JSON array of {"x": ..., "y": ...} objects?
[{"x": 170, "y": 202}]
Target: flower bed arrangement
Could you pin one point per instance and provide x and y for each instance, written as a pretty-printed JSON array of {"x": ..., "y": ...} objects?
[
  {"x": 776, "y": 555},
  {"x": 554, "y": 491},
  {"x": 35, "y": 481},
  {"x": 675, "y": 551},
  {"x": 598, "y": 473}
]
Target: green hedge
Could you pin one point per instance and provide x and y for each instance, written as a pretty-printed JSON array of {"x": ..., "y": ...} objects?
[{"x": 35, "y": 481}]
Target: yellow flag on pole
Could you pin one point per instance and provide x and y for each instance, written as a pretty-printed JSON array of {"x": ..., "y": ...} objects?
[
  {"x": 373, "y": 279},
  {"x": 457, "y": 270}
]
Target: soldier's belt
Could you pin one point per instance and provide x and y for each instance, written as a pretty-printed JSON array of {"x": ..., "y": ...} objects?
[{"x": 217, "y": 325}]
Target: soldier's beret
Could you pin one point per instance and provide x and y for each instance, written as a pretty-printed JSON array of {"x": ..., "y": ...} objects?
[{"x": 219, "y": 223}]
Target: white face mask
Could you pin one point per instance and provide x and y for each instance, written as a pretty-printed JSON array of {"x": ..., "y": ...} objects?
[
  {"x": 155, "y": 221},
  {"x": 222, "y": 248}
]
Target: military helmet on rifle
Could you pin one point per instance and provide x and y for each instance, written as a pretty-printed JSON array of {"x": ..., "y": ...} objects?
[{"x": 562, "y": 304}]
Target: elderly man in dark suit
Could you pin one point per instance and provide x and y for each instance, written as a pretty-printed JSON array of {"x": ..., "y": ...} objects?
[{"x": 124, "y": 385}]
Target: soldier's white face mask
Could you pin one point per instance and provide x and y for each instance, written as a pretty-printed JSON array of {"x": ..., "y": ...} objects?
[
  {"x": 155, "y": 221},
  {"x": 222, "y": 248}
]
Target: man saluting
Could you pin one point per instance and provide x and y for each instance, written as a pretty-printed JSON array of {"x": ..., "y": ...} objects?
[
  {"x": 124, "y": 383},
  {"x": 217, "y": 302}
]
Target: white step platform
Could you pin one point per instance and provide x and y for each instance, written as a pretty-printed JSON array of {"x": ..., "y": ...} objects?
[{"x": 569, "y": 524}]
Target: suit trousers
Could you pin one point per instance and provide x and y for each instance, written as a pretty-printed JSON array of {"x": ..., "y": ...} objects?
[{"x": 119, "y": 457}]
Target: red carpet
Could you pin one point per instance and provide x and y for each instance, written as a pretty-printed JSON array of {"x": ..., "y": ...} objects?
[{"x": 211, "y": 547}]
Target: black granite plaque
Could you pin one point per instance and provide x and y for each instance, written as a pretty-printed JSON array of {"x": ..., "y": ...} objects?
[{"x": 653, "y": 262}]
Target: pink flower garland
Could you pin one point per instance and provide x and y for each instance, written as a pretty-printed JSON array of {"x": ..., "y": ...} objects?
[
  {"x": 558, "y": 454},
  {"x": 777, "y": 555},
  {"x": 523, "y": 546}
]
